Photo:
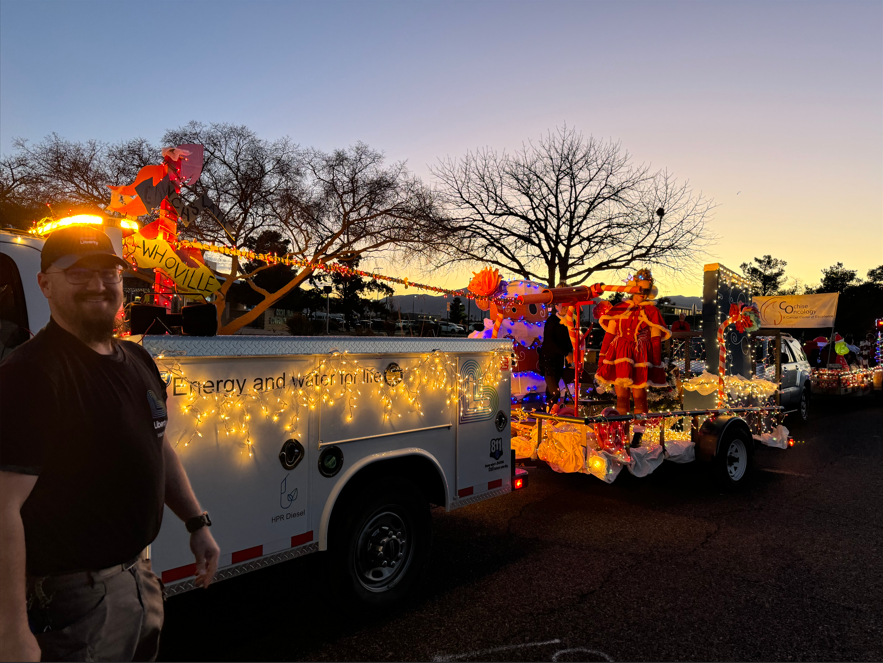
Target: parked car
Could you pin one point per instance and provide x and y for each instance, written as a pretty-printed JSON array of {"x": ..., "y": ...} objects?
[
  {"x": 450, "y": 329},
  {"x": 796, "y": 386}
]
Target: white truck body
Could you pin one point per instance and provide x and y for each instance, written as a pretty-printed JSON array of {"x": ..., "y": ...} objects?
[{"x": 263, "y": 513}]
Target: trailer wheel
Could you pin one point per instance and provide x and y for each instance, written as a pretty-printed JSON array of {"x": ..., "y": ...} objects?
[
  {"x": 382, "y": 545},
  {"x": 734, "y": 463}
]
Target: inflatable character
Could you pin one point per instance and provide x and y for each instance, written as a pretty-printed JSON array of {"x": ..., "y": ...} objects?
[
  {"x": 631, "y": 354},
  {"x": 522, "y": 322}
]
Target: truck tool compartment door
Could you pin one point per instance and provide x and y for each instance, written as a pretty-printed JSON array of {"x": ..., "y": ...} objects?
[
  {"x": 483, "y": 432},
  {"x": 379, "y": 407},
  {"x": 247, "y": 470}
]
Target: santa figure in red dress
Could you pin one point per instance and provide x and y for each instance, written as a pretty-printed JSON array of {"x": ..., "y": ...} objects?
[{"x": 631, "y": 354}]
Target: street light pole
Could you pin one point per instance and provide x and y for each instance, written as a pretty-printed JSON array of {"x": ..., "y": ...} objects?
[{"x": 327, "y": 290}]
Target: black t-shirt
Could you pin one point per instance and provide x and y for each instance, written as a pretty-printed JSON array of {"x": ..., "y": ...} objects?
[
  {"x": 556, "y": 340},
  {"x": 90, "y": 426}
]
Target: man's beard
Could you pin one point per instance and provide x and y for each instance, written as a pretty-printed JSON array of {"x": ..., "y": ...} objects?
[{"x": 97, "y": 326}]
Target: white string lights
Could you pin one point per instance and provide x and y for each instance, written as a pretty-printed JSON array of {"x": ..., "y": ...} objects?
[{"x": 233, "y": 413}]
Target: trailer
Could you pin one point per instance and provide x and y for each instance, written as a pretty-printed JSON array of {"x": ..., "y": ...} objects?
[{"x": 724, "y": 440}]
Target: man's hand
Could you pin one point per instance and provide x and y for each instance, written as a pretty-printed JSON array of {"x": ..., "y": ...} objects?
[
  {"x": 569, "y": 358},
  {"x": 17, "y": 643},
  {"x": 206, "y": 551},
  {"x": 19, "y": 646}
]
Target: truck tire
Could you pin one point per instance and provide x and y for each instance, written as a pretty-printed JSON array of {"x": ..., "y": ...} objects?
[
  {"x": 733, "y": 465},
  {"x": 381, "y": 547}
]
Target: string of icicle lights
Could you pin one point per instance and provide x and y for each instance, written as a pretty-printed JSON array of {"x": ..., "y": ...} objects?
[{"x": 325, "y": 384}]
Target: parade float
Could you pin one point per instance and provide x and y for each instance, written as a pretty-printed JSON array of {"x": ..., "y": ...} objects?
[{"x": 718, "y": 416}]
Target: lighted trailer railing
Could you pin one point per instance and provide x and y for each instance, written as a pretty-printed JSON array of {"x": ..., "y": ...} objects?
[
  {"x": 720, "y": 437},
  {"x": 599, "y": 419}
]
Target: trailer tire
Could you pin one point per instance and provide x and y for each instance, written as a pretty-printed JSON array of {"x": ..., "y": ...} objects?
[
  {"x": 381, "y": 547},
  {"x": 733, "y": 465}
]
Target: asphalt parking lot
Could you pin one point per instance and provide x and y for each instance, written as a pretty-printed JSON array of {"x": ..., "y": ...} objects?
[{"x": 661, "y": 568}]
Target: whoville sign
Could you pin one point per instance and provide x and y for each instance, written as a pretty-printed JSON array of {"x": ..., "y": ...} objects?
[
  {"x": 158, "y": 187},
  {"x": 798, "y": 310},
  {"x": 149, "y": 250}
]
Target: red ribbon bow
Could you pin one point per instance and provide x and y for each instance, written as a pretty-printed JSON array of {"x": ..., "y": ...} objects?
[{"x": 738, "y": 316}]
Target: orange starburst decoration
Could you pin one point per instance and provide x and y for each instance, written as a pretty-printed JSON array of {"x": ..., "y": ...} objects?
[{"x": 485, "y": 282}]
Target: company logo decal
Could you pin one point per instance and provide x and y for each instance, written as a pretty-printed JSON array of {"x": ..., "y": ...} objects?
[
  {"x": 286, "y": 498},
  {"x": 479, "y": 402},
  {"x": 157, "y": 407},
  {"x": 496, "y": 448}
]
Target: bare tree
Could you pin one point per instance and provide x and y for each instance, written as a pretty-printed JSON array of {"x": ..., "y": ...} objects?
[
  {"x": 567, "y": 207},
  {"x": 76, "y": 174},
  {"x": 330, "y": 207},
  {"x": 246, "y": 176},
  {"x": 18, "y": 206}
]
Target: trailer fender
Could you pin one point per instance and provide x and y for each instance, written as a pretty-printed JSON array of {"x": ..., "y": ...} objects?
[
  {"x": 712, "y": 431},
  {"x": 365, "y": 463}
]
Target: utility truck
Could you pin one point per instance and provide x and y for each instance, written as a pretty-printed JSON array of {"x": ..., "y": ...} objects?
[{"x": 302, "y": 444}]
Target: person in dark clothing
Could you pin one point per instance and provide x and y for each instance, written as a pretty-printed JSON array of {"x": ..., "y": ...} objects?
[
  {"x": 555, "y": 352},
  {"x": 681, "y": 324},
  {"x": 86, "y": 472}
]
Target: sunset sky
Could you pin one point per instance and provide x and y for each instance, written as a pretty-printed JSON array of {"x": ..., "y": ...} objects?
[{"x": 772, "y": 109}]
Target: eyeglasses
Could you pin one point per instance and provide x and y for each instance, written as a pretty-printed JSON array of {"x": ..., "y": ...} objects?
[{"x": 82, "y": 275}]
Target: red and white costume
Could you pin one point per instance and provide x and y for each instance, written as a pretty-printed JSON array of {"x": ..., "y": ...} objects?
[{"x": 630, "y": 357}]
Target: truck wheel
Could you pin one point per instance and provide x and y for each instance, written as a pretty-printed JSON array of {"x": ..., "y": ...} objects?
[
  {"x": 734, "y": 461},
  {"x": 382, "y": 545}
]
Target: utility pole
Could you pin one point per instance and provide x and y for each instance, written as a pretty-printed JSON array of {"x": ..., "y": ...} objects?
[{"x": 327, "y": 290}]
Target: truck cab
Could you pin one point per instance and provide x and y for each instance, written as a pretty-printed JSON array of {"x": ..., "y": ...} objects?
[{"x": 23, "y": 309}]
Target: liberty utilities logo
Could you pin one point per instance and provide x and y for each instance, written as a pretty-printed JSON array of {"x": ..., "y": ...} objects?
[
  {"x": 496, "y": 448},
  {"x": 158, "y": 412}
]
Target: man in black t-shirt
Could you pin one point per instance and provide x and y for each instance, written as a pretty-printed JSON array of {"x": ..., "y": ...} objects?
[{"x": 85, "y": 472}]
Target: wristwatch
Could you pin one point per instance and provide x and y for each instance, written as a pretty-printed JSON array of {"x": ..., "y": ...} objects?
[{"x": 197, "y": 522}]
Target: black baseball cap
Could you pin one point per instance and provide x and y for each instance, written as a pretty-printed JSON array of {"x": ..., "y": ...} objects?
[{"x": 66, "y": 246}]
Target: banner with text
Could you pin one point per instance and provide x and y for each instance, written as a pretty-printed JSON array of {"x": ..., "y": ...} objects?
[
  {"x": 786, "y": 311},
  {"x": 153, "y": 252}
]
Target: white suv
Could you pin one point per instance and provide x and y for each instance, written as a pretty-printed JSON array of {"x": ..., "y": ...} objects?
[{"x": 449, "y": 329}]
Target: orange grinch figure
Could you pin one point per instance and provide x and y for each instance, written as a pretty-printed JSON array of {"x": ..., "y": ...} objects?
[{"x": 631, "y": 354}]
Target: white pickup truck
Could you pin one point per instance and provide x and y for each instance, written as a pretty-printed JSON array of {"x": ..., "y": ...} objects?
[{"x": 303, "y": 444}]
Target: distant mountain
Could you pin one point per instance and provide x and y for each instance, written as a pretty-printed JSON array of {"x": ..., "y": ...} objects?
[{"x": 437, "y": 304}]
